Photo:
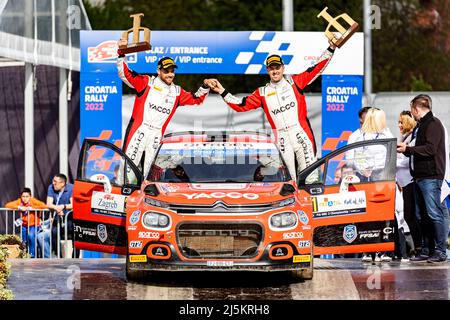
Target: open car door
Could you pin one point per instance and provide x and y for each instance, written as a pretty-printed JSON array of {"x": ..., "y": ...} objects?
[
  {"x": 350, "y": 194},
  {"x": 105, "y": 178}
]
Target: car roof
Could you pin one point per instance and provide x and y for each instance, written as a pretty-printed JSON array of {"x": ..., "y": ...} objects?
[{"x": 218, "y": 136}]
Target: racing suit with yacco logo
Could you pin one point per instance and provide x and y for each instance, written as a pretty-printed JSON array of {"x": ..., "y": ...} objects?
[
  {"x": 285, "y": 108},
  {"x": 154, "y": 106}
]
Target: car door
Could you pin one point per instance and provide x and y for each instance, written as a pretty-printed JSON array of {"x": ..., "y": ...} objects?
[
  {"x": 105, "y": 179},
  {"x": 350, "y": 195}
]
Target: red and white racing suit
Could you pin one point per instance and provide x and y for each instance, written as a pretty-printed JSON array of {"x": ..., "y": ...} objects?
[
  {"x": 154, "y": 106},
  {"x": 285, "y": 108}
]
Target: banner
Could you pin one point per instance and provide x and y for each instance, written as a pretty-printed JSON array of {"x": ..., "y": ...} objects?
[
  {"x": 341, "y": 100},
  {"x": 222, "y": 52}
]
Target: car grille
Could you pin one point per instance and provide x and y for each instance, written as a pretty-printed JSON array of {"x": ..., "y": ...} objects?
[
  {"x": 220, "y": 207},
  {"x": 219, "y": 240}
]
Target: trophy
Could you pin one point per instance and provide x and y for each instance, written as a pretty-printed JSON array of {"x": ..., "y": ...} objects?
[
  {"x": 136, "y": 46},
  {"x": 341, "y": 34}
]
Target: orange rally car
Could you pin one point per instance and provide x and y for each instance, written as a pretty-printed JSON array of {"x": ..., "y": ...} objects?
[{"x": 226, "y": 201}]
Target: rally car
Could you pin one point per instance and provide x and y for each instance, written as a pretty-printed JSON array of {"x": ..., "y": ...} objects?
[{"x": 226, "y": 201}]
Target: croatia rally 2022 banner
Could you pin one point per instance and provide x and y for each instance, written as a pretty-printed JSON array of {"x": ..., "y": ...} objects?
[{"x": 341, "y": 100}]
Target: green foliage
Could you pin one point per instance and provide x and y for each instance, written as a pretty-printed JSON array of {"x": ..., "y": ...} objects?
[
  {"x": 5, "y": 270},
  {"x": 418, "y": 84},
  {"x": 10, "y": 239}
]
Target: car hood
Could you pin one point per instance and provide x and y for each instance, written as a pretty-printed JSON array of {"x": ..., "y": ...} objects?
[{"x": 209, "y": 193}]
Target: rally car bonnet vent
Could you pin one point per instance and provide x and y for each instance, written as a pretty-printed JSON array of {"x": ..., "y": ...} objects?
[
  {"x": 219, "y": 240},
  {"x": 151, "y": 190},
  {"x": 220, "y": 207}
]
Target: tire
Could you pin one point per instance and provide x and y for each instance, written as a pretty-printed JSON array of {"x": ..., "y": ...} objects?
[
  {"x": 304, "y": 274},
  {"x": 134, "y": 275}
]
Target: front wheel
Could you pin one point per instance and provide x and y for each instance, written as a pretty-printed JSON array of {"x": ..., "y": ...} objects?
[
  {"x": 134, "y": 275},
  {"x": 303, "y": 274}
]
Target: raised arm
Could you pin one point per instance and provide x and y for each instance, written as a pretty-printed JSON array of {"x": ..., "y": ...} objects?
[
  {"x": 129, "y": 77},
  {"x": 306, "y": 77}
]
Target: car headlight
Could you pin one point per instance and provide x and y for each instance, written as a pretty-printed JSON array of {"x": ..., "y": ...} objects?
[
  {"x": 283, "y": 220},
  {"x": 155, "y": 203},
  {"x": 286, "y": 202},
  {"x": 156, "y": 220}
]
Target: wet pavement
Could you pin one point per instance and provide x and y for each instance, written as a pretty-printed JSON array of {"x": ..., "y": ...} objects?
[{"x": 346, "y": 279}]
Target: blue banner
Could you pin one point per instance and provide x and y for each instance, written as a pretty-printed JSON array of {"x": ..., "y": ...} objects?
[
  {"x": 101, "y": 107},
  {"x": 341, "y": 101}
]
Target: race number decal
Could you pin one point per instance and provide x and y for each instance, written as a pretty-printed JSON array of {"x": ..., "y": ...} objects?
[
  {"x": 339, "y": 204},
  {"x": 108, "y": 204}
]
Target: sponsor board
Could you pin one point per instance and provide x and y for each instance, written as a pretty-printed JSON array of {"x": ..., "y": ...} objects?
[
  {"x": 108, "y": 204},
  {"x": 137, "y": 258},
  {"x": 301, "y": 258},
  {"x": 167, "y": 188},
  {"x": 339, "y": 204},
  {"x": 354, "y": 234}
]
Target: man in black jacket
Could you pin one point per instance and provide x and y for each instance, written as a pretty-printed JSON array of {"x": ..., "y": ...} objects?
[{"x": 428, "y": 169}]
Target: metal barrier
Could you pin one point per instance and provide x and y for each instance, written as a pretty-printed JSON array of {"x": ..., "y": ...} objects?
[{"x": 40, "y": 234}]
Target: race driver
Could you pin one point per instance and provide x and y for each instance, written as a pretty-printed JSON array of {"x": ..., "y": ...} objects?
[
  {"x": 157, "y": 98},
  {"x": 284, "y": 104}
]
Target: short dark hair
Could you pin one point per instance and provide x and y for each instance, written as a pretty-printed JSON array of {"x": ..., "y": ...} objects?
[
  {"x": 25, "y": 190},
  {"x": 422, "y": 101},
  {"x": 362, "y": 111},
  {"x": 61, "y": 176}
]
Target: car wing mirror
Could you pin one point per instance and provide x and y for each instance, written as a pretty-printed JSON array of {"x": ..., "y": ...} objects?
[
  {"x": 101, "y": 178},
  {"x": 347, "y": 181}
]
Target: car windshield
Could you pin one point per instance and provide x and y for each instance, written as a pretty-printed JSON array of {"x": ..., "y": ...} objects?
[{"x": 219, "y": 162}]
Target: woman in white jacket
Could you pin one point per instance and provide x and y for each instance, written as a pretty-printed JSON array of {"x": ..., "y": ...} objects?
[{"x": 406, "y": 124}]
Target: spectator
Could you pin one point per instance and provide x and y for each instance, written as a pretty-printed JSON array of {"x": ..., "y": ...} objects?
[
  {"x": 370, "y": 161},
  {"x": 406, "y": 124},
  {"x": 428, "y": 170},
  {"x": 400, "y": 227},
  {"x": 59, "y": 199},
  {"x": 29, "y": 220},
  {"x": 357, "y": 133}
]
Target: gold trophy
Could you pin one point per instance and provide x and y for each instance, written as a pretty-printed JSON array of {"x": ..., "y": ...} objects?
[
  {"x": 136, "y": 46},
  {"x": 341, "y": 34}
]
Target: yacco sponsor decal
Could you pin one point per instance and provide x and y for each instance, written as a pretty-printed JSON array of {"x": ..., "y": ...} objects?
[
  {"x": 292, "y": 235},
  {"x": 134, "y": 218},
  {"x": 220, "y": 195},
  {"x": 135, "y": 244},
  {"x": 138, "y": 258},
  {"x": 354, "y": 234},
  {"x": 301, "y": 258},
  {"x": 338, "y": 204},
  {"x": 228, "y": 186},
  {"x": 303, "y": 217},
  {"x": 108, "y": 204},
  {"x": 148, "y": 235},
  {"x": 93, "y": 232},
  {"x": 304, "y": 244}
]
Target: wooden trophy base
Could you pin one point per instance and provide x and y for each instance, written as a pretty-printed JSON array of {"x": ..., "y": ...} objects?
[
  {"x": 135, "y": 47},
  {"x": 341, "y": 41}
]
